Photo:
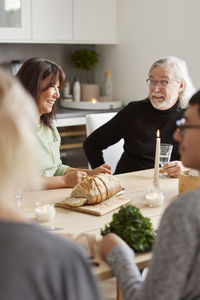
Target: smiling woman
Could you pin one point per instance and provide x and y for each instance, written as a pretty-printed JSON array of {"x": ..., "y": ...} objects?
[
  {"x": 49, "y": 94},
  {"x": 40, "y": 76},
  {"x": 43, "y": 79}
]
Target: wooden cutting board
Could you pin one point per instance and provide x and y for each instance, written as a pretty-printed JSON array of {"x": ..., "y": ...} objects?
[{"x": 98, "y": 209}]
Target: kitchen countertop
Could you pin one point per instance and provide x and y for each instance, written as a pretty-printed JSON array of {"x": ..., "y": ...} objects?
[
  {"x": 73, "y": 117},
  {"x": 71, "y": 113}
]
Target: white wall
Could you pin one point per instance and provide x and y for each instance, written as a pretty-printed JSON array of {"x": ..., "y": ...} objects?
[{"x": 147, "y": 31}]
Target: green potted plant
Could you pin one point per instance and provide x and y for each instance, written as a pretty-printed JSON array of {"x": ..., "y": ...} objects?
[{"x": 84, "y": 61}]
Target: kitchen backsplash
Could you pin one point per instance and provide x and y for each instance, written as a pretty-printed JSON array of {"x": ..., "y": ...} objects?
[{"x": 57, "y": 52}]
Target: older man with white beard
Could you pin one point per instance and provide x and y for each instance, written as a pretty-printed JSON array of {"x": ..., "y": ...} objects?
[{"x": 170, "y": 89}]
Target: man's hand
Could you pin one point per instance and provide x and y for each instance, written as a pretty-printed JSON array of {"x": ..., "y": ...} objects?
[
  {"x": 173, "y": 168},
  {"x": 102, "y": 169},
  {"x": 109, "y": 241}
]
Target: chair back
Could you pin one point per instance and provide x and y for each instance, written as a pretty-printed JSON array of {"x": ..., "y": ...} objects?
[{"x": 113, "y": 153}]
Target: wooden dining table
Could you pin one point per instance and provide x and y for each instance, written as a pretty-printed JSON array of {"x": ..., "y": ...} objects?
[{"x": 69, "y": 222}]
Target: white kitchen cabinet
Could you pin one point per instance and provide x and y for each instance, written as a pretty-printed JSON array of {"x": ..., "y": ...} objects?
[
  {"x": 15, "y": 23},
  {"x": 62, "y": 21},
  {"x": 51, "y": 20},
  {"x": 94, "y": 20}
]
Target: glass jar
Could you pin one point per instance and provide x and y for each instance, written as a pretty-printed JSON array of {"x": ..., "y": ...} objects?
[
  {"x": 66, "y": 88},
  {"x": 107, "y": 86}
]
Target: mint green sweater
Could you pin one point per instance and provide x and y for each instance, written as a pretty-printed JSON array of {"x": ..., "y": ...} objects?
[{"x": 49, "y": 151}]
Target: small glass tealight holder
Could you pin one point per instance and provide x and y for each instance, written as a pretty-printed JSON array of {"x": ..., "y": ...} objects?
[
  {"x": 44, "y": 213},
  {"x": 154, "y": 197},
  {"x": 19, "y": 195}
]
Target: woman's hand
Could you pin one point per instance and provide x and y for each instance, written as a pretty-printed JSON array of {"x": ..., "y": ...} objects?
[
  {"x": 73, "y": 178},
  {"x": 172, "y": 168},
  {"x": 102, "y": 169},
  {"x": 109, "y": 241}
]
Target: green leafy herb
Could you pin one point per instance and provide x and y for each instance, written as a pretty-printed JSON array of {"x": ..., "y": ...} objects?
[{"x": 135, "y": 229}]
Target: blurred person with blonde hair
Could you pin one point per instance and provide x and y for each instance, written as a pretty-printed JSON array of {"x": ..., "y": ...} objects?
[{"x": 34, "y": 264}]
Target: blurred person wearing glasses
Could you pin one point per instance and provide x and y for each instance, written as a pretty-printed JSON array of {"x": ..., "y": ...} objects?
[
  {"x": 35, "y": 265},
  {"x": 174, "y": 270},
  {"x": 170, "y": 89}
]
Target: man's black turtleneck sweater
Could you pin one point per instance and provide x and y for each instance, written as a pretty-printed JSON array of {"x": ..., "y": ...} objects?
[{"x": 137, "y": 124}]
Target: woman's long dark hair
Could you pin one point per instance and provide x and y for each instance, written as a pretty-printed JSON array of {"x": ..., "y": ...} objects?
[{"x": 31, "y": 74}]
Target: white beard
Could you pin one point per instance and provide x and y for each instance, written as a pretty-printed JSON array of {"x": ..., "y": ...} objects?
[{"x": 164, "y": 105}]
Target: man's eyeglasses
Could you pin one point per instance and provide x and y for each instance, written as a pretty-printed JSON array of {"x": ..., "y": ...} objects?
[
  {"x": 182, "y": 126},
  {"x": 160, "y": 83}
]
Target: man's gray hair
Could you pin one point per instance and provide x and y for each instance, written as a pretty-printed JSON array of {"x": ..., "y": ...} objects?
[{"x": 180, "y": 70}]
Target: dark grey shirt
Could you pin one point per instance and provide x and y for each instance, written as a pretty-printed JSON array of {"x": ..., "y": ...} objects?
[
  {"x": 35, "y": 265},
  {"x": 174, "y": 271}
]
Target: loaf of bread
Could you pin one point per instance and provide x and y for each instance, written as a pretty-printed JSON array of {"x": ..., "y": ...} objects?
[{"x": 94, "y": 189}]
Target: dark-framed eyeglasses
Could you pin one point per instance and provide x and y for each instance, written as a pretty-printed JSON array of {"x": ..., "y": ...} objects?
[
  {"x": 182, "y": 126},
  {"x": 160, "y": 83}
]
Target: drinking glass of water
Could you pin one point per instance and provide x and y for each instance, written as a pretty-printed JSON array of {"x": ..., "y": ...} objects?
[{"x": 165, "y": 155}]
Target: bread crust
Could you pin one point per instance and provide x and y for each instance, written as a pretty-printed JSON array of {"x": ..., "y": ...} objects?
[{"x": 97, "y": 188}]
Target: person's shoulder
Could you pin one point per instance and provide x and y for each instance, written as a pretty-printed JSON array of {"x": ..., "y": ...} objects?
[
  {"x": 191, "y": 197},
  {"x": 43, "y": 128},
  {"x": 43, "y": 241},
  {"x": 133, "y": 106},
  {"x": 62, "y": 246},
  {"x": 183, "y": 211},
  {"x": 53, "y": 123},
  {"x": 187, "y": 203},
  {"x": 138, "y": 103},
  {"x": 55, "y": 242}
]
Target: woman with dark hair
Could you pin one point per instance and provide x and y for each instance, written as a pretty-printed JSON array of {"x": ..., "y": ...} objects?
[{"x": 43, "y": 79}]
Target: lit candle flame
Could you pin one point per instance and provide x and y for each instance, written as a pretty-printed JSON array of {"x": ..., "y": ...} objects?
[
  {"x": 93, "y": 100},
  {"x": 158, "y": 133}
]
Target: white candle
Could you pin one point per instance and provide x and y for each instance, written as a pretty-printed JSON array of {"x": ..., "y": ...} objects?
[
  {"x": 154, "y": 197},
  {"x": 94, "y": 100},
  {"x": 156, "y": 165},
  {"x": 45, "y": 212}
]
